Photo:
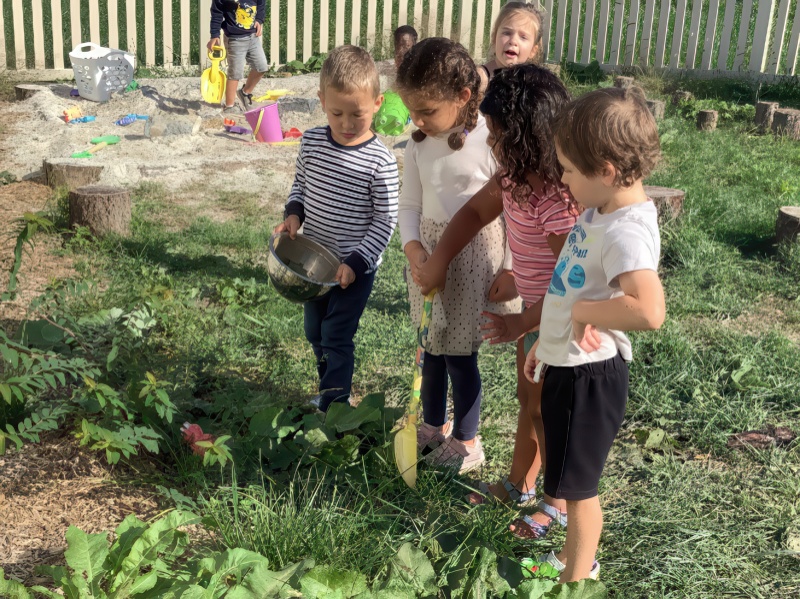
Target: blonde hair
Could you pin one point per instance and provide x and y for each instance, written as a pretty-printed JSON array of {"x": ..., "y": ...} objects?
[
  {"x": 533, "y": 11},
  {"x": 350, "y": 69},
  {"x": 613, "y": 126}
]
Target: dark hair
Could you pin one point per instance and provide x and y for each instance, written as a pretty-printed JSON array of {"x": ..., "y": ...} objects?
[
  {"x": 522, "y": 102},
  {"x": 404, "y": 30},
  {"x": 610, "y": 125},
  {"x": 441, "y": 68}
]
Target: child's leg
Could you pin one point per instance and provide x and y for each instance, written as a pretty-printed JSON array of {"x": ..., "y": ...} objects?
[
  {"x": 526, "y": 461},
  {"x": 338, "y": 328},
  {"x": 583, "y": 536},
  {"x": 467, "y": 396},
  {"x": 236, "y": 49},
  {"x": 313, "y": 314},
  {"x": 230, "y": 91},
  {"x": 258, "y": 64},
  {"x": 434, "y": 390}
]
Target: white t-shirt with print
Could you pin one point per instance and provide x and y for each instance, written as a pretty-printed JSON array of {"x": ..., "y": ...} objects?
[{"x": 599, "y": 248}]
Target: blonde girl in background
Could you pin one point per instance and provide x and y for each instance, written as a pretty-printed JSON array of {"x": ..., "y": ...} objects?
[{"x": 516, "y": 38}]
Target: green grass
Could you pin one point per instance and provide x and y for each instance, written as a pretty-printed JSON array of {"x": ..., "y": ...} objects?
[{"x": 699, "y": 520}]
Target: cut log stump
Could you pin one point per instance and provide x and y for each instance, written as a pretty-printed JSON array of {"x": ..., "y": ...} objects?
[
  {"x": 681, "y": 96},
  {"x": 788, "y": 226},
  {"x": 101, "y": 208},
  {"x": 765, "y": 111},
  {"x": 707, "y": 120},
  {"x": 553, "y": 67},
  {"x": 657, "y": 108},
  {"x": 787, "y": 122},
  {"x": 623, "y": 82},
  {"x": 669, "y": 202},
  {"x": 71, "y": 174},
  {"x": 24, "y": 91}
]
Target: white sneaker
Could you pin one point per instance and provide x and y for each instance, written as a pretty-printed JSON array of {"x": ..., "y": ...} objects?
[
  {"x": 551, "y": 559},
  {"x": 430, "y": 438},
  {"x": 456, "y": 454}
]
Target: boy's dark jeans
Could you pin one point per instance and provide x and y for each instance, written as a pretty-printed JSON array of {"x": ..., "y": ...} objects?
[{"x": 331, "y": 323}]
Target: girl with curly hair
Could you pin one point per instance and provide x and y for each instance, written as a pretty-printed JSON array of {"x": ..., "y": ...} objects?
[
  {"x": 520, "y": 106},
  {"x": 447, "y": 161}
]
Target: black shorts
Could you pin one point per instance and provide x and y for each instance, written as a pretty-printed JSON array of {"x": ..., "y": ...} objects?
[{"x": 582, "y": 410}]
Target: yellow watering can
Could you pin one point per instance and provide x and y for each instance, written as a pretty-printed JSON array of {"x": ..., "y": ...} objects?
[
  {"x": 214, "y": 81},
  {"x": 405, "y": 441}
]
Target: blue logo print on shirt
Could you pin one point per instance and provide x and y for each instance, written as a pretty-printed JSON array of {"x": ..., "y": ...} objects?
[
  {"x": 556, "y": 284},
  {"x": 577, "y": 277}
]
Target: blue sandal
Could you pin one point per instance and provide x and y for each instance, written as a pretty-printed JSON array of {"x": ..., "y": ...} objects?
[
  {"x": 528, "y": 528},
  {"x": 515, "y": 497}
]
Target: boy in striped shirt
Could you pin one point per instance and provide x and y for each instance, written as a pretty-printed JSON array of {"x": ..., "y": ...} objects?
[{"x": 345, "y": 197}]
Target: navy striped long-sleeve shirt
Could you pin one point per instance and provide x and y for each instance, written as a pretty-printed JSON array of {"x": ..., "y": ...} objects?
[{"x": 346, "y": 197}]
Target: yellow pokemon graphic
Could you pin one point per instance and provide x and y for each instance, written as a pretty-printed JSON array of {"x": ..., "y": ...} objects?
[{"x": 246, "y": 16}]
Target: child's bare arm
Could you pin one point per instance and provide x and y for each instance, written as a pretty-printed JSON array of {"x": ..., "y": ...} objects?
[
  {"x": 641, "y": 308},
  {"x": 479, "y": 211}
]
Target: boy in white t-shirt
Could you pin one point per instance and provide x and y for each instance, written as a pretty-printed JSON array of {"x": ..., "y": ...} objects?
[{"x": 605, "y": 282}]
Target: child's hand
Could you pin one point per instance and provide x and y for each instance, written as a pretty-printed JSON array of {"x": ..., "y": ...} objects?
[
  {"x": 417, "y": 256},
  {"x": 502, "y": 329},
  {"x": 214, "y": 41},
  {"x": 259, "y": 28},
  {"x": 504, "y": 288},
  {"x": 531, "y": 363},
  {"x": 586, "y": 335},
  {"x": 432, "y": 275},
  {"x": 345, "y": 276},
  {"x": 291, "y": 224}
]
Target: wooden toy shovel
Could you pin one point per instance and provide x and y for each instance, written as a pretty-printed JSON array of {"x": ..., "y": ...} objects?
[{"x": 405, "y": 441}]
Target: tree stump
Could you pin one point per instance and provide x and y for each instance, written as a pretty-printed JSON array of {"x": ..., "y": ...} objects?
[
  {"x": 788, "y": 226},
  {"x": 163, "y": 127},
  {"x": 765, "y": 111},
  {"x": 657, "y": 108},
  {"x": 71, "y": 174},
  {"x": 101, "y": 208},
  {"x": 24, "y": 91},
  {"x": 669, "y": 202},
  {"x": 707, "y": 120},
  {"x": 623, "y": 82},
  {"x": 681, "y": 96},
  {"x": 787, "y": 122},
  {"x": 553, "y": 67}
]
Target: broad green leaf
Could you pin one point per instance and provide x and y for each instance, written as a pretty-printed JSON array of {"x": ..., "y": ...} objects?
[
  {"x": 161, "y": 537},
  {"x": 582, "y": 589},
  {"x": 274, "y": 422},
  {"x": 327, "y": 582},
  {"x": 85, "y": 554},
  {"x": 343, "y": 418},
  {"x": 144, "y": 583},
  {"x": 411, "y": 570},
  {"x": 232, "y": 564},
  {"x": 186, "y": 591},
  {"x": 5, "y": 391},
  {"x": 261, "y": 583},
  {"x": 535, "y": 589},
  {"x": 484, "y": 579},
  {"x": 12, "y": 589}
]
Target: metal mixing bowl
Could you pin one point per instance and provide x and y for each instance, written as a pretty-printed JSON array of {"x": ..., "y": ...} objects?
[{"x": 300, "y": 269}]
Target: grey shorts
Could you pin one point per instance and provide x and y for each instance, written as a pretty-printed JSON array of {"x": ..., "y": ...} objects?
[{"x": 246, "y": 48}]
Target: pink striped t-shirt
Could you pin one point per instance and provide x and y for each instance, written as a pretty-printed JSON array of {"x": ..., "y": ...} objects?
[{"x": 547, "y": 212}]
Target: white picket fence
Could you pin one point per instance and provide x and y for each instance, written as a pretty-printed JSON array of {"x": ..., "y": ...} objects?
[{"x": 740, "y": 36}]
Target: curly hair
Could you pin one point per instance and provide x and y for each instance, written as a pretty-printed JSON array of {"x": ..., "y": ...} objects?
[
  {"x": 612, "y": 126},
  {"x": 522, "y": 102},
  {"x": 441, "y": 69},
  {"x": 531, "y": 10}
]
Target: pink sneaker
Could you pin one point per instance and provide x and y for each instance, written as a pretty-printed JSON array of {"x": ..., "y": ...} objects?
[
  {"x": 455, "y": 454},
  {"x": 430, "y": 438}
]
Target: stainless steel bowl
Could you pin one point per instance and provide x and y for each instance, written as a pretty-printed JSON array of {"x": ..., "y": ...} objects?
[{"x": 300, "y": 269}]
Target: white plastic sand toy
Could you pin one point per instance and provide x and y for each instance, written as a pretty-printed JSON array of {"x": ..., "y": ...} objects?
[{"x": 101, "y": 71}]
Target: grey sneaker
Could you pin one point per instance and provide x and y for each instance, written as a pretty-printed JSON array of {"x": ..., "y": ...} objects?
[
  {"x": 455, "y": 454},
  {"x": 245, "y": 99},
  {"x": 429, "y": 437},
  {"x": 235, "y": 109},
  {"x": 316, "y": 401},
  {"x": 551, "y": 559}
]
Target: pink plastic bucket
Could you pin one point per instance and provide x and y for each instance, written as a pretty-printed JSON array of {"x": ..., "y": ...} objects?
[{"x": 269, "y": 129}]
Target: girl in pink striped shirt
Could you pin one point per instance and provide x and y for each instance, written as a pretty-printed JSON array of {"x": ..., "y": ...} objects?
[{"x": 520, "y": 105}]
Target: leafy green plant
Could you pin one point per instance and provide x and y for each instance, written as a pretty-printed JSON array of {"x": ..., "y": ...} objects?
[
  {"x": 297, "y": 67},
  {"x": 28, "y": 226},
  {"x": 728, "y": 111},
  {"x": 7, "y": 178}
]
